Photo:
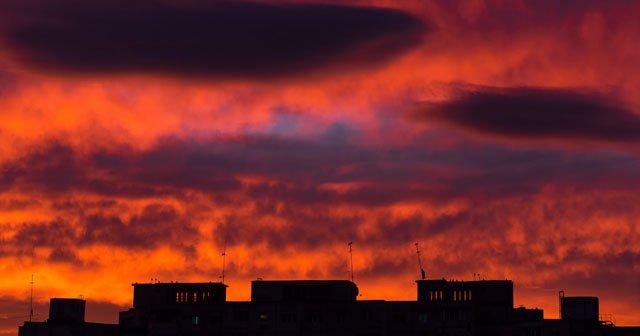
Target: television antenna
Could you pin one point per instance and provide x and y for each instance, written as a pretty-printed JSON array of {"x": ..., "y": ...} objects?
[
  {"x": 31, "y": 300},
  {"x": 351, "y": 259},
  {"x": 423, "y": 275},
  {"x": 224, "y": 257}
]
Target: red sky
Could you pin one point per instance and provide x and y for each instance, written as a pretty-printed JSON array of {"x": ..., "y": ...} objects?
[{"x": 504, "y": 136}]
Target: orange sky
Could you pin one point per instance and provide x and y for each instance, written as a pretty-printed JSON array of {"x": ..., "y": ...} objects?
[{"x": 501, "y": 135}]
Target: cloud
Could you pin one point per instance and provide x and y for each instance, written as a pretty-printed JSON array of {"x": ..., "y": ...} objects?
[
  {"x": 534, "y": 113},
  {"x": 308, "y": 172},
  {"x": 152, "y": 226},
  {"x": 223, "y": 39},
  {"x": 156, "y": 224},
  {"x": 515, "y": 212}
]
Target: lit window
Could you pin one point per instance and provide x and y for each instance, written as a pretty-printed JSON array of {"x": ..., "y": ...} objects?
[{"x": 195, "y": 320}]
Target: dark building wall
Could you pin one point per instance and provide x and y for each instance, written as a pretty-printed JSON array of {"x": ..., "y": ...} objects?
[
  {"x": 488, "y": 292},
  {"x": 68, "y": 329},
  {"x": 490, "y": 300},
  {"x": 579, "y": 308},
  {"x": 153, "y": 294},
  {"x": 66, "y": 310},
  {"x": 301, "y": 308},
  {"x": 328, "y": 308},
  {"x": 303, "y": 291},
  {"x": 311, "y": 318},
  {"x": 66, "y": 318}
]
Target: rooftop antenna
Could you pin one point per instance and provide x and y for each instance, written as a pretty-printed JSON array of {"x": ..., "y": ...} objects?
[
  {"x": 31, "y": 300},
  {"x": 422, "y": 273},
  {"x": 351, "y": 259},
  {"x": 560, "y": 297},
  {"x": 224, "y": 257},
  {"x": 33, "y": 253}
]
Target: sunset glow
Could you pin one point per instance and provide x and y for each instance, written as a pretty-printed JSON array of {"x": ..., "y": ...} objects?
[{"x": 504, "y": 136}]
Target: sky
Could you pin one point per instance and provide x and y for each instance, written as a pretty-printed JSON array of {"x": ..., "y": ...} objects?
[{"x": 137, "y": 140}]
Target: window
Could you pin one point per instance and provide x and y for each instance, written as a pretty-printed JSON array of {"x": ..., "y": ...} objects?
[
  {"x": 367, "y": 315},
  {"x": 422, "y": 317},
  {"x": 181, "y": 297},
  {"x": 195, "y": 320},
  {"x": 313, "y": 317},
  {"x": 399, "y": 318},
  {"x": 288, "y": 318},
  {"x": 241, "y": 316},
  {"x": 215, "y": 319}
]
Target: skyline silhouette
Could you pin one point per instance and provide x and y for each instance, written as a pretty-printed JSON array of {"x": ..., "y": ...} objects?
[
  {"x": 143, "y": 140},
  {"x": 321, "y": 307}
]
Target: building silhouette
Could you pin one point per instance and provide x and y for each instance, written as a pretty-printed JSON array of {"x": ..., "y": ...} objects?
[
  {"x": 328, "y": 307},
  {"x": 66, "y": 318}
]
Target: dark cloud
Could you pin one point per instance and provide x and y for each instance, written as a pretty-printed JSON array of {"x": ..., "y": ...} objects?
[
  {"x": 315, "y": 227},
  {"x": 605, "y": 269},
  {"x": 297, "y": 171},
  {"x": 55, "y": 166},
  {"x": 8, "y": 83},
  {"x": 537, "y": 113},
  {"x": 154, "y": 225},
  {"x": 14, "y": 204},
  {"x": 303, "y": 228},
  {"x": 54, "y": 233},
  {"x": 235, "y": 39},
  {"x": 65, "y": 255}
]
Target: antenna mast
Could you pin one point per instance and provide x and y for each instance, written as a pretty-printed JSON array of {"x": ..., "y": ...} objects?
[
  {"x": 224, "y": 257},
  {"x": 422, "y": 273},
  {"x": 31, "y": 300},
  {"x": 351, "y": 259}
]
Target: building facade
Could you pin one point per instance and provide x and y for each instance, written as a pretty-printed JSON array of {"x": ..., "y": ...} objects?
[{"x": 328, "y": 307}]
